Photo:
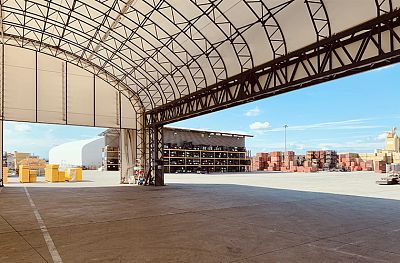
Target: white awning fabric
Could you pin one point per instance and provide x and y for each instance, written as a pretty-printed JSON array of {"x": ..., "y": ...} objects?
[{"x": 156, "y": 50}]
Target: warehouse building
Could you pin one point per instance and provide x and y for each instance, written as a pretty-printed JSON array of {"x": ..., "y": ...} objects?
[{"x": 190, "y": 150}]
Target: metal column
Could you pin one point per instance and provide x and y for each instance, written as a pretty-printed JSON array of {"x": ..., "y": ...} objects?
[
  {"x": 2, "y": 92},
  {"x": 155, "y": 161},
  {"x": 1, "y": 152}
]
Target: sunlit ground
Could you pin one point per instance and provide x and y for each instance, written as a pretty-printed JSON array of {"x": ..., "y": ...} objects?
[{"x": 354, "y": 183}]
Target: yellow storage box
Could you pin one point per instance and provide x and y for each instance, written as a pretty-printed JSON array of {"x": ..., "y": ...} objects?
[
  {"x": 73, "y": 174},
  {"x": 32, "y": 176},
  {"x": 52, "y": 166},
  {"x": 24, "y": 174},
  {"x": 51, "y": 173},
  {"x": 5, "y": 175},
  {"x": 61, "y": 176}
]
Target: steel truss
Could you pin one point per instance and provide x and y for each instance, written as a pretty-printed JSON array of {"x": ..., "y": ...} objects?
[
  {"x": 134, "y": 48},
  {"x": 120, "y": 87},
  {"x": 155, "y": 163},
  {"x": 370, "y": 45},
  {"x": 384, "y": 6},
  {"x": 266, "y": 17},
  {"x": 319, "y": 17}
]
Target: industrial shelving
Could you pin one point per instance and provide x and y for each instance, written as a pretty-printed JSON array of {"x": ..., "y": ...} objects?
[
  {"x": 193, "y": 160},
  {"x": 111, "y": 156}
]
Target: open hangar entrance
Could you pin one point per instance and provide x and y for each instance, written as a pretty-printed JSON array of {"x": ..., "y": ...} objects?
[
  {"x": 39, "y": 88},
  {"x": 135, "y": 48},
  {"x": 139, "y": 65}
]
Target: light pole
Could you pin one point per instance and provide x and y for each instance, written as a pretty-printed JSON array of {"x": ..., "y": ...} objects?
[{"x": 285, "y": 126}]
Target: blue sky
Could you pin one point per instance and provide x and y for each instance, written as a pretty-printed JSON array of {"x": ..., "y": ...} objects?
[
  {"x": 348, "y": 115},
  {"x": 40, "y": 138}
]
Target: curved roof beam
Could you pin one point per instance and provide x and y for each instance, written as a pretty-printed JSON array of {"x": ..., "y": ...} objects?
[
  {"x": 187, "y": 28},
  {"x": 181, "y": 83},
  {"x": 9, "y": 26},
  {"x": 45, "y": 35},
  {"x": 148, "y": 68},
  {"x": 384, "y": 6},
  {"x": 145, "y": 60},
  {"x": 142, "y": 75},
  {"x": 232, "y": 34},
  {"x": 71, "y": 58},
  {"x": 168, "y": 42},
  {"x": 319, "y": 17},
  {"x": 114, "y": 24},
  {"x": 266, "y": 17}
]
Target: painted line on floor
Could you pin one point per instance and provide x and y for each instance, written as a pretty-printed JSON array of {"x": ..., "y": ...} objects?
[{"x": 50, "y": 244}]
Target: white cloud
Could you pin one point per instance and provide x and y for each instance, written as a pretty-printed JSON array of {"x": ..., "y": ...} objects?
[
  {"x": 351, "y": 146},
  {"x": 335, "y": 125},
  {"x": 22, "y": 127},
  {"x": 259, "y": 125},
  {"x": 381, "y": 137},
  {"x": 253, "y": 112},
  {"x": 33, "y": 144}
]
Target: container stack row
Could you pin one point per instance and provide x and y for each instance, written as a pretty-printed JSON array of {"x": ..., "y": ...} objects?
[{"x": 314, "y": 161}]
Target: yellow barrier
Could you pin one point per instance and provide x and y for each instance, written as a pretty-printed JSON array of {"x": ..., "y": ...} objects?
[
  {"x": 51, "y": 173},
  {"x": 5, "y": 175},
  {"x": 24, "y": 174},
  {"x": 73, "y": 174},
  {"x": 61, "y": 176},
  {"x": 32, "y": 176}
]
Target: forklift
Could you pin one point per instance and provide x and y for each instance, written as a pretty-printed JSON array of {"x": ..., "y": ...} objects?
[{"x": 392, "y": 176}]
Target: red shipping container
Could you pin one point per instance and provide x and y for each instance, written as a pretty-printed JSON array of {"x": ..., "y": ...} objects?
[
  {"x": 380, "y": 166},
  {"x": 310, "y": 169}
]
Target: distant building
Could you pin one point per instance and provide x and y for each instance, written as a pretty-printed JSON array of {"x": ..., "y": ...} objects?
[
  {"x": 18, "y": 157},
  {"x": 194, "y": 150},
  {"x": 190, "y": 150},
  {"x": 392, "y": 141},
  {"x": 83, "y": 153},
  {"x": 185, "y": 151}
]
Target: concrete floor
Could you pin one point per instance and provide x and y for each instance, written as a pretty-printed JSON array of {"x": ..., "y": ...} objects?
[{"x": 204, "y": 218}]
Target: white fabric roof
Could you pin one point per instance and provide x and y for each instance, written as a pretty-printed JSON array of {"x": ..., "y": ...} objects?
[{"x": 159, "y": 50}]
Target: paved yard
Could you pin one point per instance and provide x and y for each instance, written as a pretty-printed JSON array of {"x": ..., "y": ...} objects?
[{"x": 203, "y": 218}]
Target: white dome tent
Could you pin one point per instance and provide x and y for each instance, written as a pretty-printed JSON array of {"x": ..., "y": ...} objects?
[{"x": 82, "y": 153}]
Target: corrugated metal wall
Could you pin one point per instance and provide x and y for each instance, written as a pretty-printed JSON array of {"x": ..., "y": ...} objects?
[{"x": 201, "y": 138}]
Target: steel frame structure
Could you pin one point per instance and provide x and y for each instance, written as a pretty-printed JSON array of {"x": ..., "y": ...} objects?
[
  {"x": 343, "y": 54},
  {"x": 70, "y": 58},
  {"x": 155, "y": 171},
  {"x": 174, "y": 70},
  {"x": 319, "y": 17}
]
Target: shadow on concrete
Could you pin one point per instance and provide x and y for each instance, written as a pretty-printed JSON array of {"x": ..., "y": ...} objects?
[{"x": 207, "y": 223}]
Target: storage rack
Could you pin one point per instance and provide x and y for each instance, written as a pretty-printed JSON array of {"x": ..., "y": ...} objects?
[
  {"x": 111, "y": 158},
  {"x": 205, "y": 159}
]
